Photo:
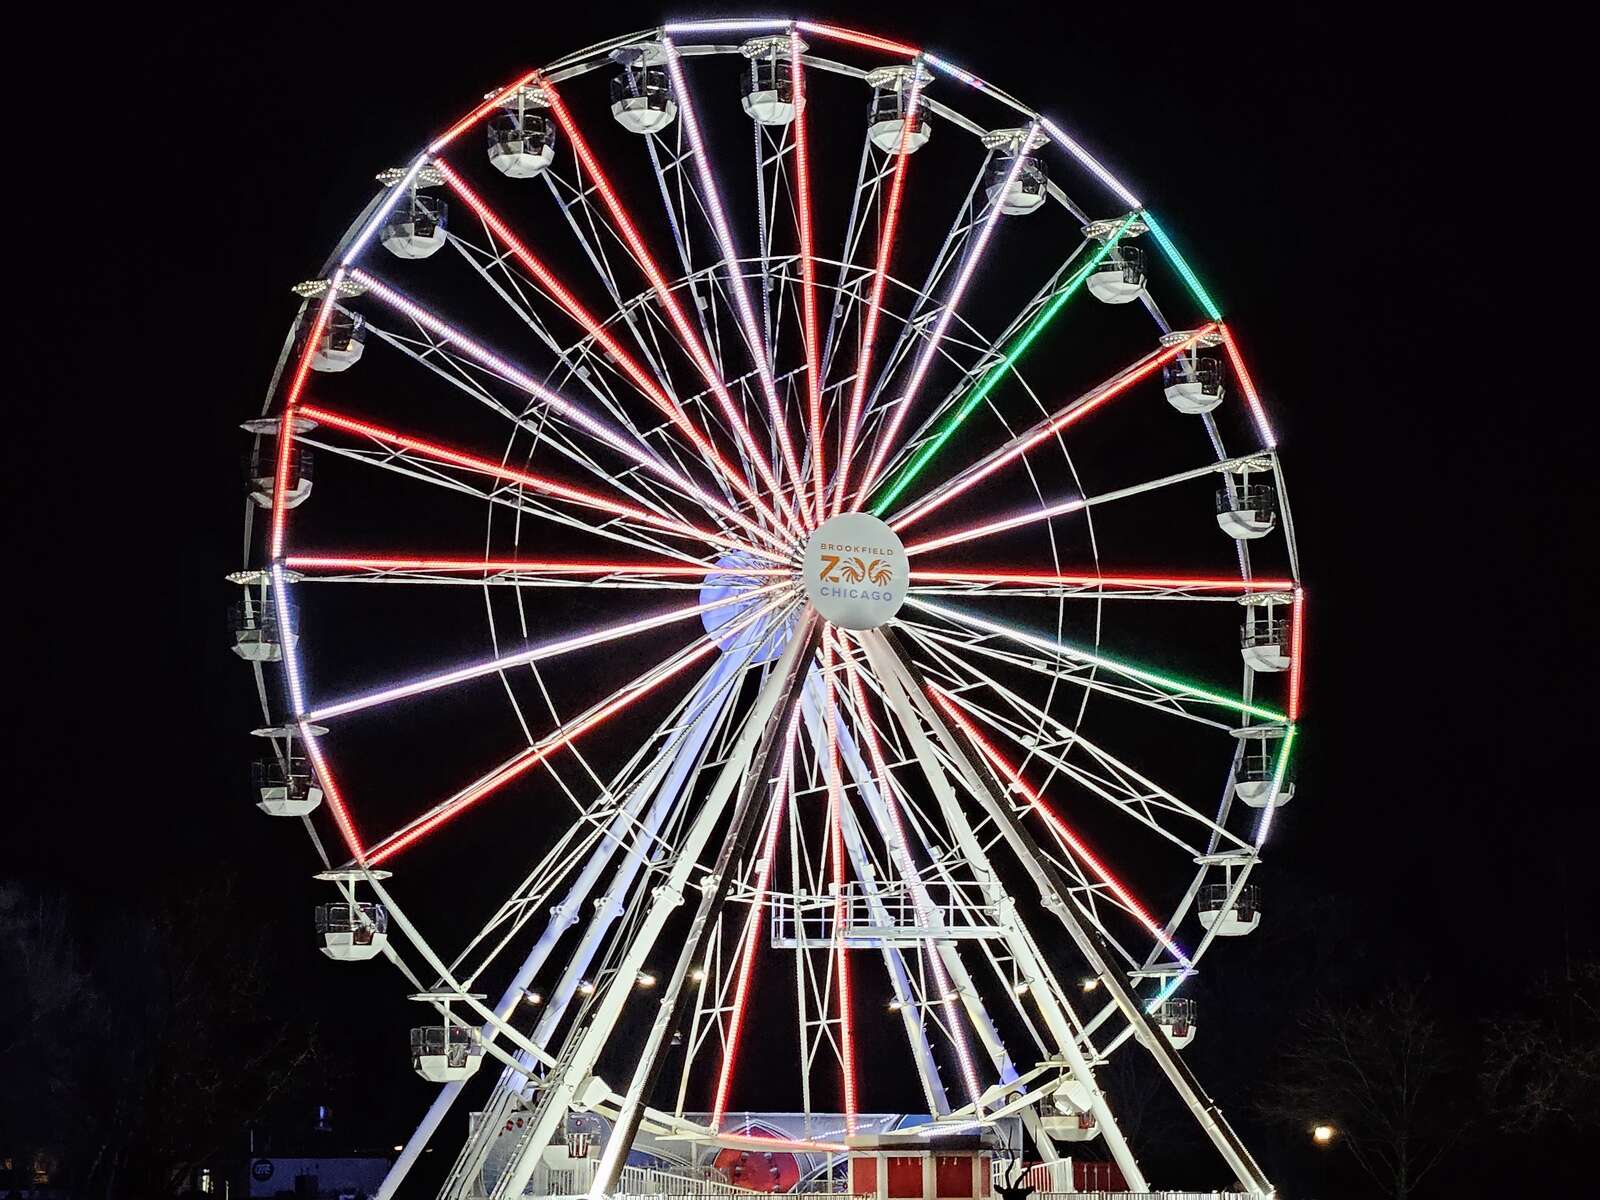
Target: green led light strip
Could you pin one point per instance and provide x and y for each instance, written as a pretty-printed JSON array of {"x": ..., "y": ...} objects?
[
  {"x": 1140, "y": 673},
  {"x": 1177, "y": 261},
  {"x": 978, "y": 394}
]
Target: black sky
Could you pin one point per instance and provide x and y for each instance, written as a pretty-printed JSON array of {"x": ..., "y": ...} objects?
[{"x": 1341, "y": 169}]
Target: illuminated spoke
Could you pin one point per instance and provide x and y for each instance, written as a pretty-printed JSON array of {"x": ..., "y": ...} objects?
[
  {"x": 689, "y": 339},
  {"x": 429, "y": 683},
  {"x": 1044, "y": 430},
  {"x": 908, "y": 394}
]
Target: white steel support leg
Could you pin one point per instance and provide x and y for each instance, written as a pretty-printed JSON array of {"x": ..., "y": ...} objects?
[
  {"x": 1058, "y": 1019},
  {"x": 811, "y": 706},
  {"x": 665, "y": 781},
  {"x": 961, "y": 981},
  {"x": 770, "y": 720},
  {"x": 563, "y": 1087},
  {"x": 891, "y": 658}
]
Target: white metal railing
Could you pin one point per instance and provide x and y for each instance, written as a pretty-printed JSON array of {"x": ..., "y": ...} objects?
[
  {"x": 891, "y": 914},
  {"x": 578, "y": 1178}
]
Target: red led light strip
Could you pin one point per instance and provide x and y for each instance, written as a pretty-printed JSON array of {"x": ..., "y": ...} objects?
[
  {"x": 473, "y": 462},
  {"x": 528, "y": 759},
  {"x": 752, "y": 928},
  {"x": 953, "y": 1009},
  {"x": 641, "y": 379},
  {"x": 1078, "y": 409},
  {"x": 335, "y": 798},
  {"x": 1242, "y": 373},
  {"x": 669, "y": 302},
  {"x": 869, "y": 327},
  {"x": 859, "y": 39},
  {"x": 1036, "y": 801},
  {"x": 493, "y": 101}
]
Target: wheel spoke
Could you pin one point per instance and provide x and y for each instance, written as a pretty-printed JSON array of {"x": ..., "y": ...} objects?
[
  {"x": 689, "y": 339},
  {"x": 908, "y": 394}
]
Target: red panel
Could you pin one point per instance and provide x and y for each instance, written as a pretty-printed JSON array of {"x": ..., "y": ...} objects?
[
  {"x": 952, "y": 1175},
  {"x": 905, "y": 1175},
  {"x": 1098, "y": 1176},
  {"x": 864, "y": 1175},
  {"x": 984, "y": 1167},
  {"x": 759, "y": 1170}
]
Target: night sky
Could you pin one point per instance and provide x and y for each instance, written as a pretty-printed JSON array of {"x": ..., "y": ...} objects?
[{"x": 1338, "y": 183}]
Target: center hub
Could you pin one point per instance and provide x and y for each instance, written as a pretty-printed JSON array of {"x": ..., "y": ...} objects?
[{"x": 855, "y": 571}]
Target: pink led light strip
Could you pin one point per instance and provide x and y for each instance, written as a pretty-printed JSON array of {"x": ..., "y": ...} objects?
[
  {"x": 752, "y": 928},
  {"x": 869, "y": 325},
  {"x": 808, "y": 274},
  {"x": 712, "y": 197},
  {"x": 1049, "y": 578},
  {"x": 550, "y": 487},
  {"x": 888, "y": 436},
  {"x": 847, "y": 1028},
  {"x": 1044, "y": 431},
  {"x": 1037, "y": 802},
  {"x": 432, "y": 683},
  {"x": 526, "y": 566},
  {"x": 576, "y": 414},
  {"x": 642, "y": 380},
  {"x": 1297, "y": 652},
  {"x": 686, "y": 334}
]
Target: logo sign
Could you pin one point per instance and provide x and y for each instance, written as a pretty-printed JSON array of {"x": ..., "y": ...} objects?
[
  {"x": 261, "y": 1169},
  {"x": 855, "y": 571}
]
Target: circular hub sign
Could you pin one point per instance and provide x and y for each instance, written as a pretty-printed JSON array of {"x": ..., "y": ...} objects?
[{"x": 855, "y": 571}]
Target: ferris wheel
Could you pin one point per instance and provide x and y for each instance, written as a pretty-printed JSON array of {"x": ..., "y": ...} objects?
[{"x": 883, "y": 591}]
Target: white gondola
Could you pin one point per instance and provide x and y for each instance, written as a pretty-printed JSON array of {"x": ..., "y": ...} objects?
[
  {"x": 1176, "y": 1017},
  {"x": 521, "y": 143},
  {"x": 1229, "y": 920},
  {"x": 1264, "y": 644},
  {"x": 1118, "y": 278},
  {"x": 641, "y": 100},
  {"x": 261, "y": 475},
  {"x": 1030, "y": 186},
  {"x": 766, "y": 90},
  {"x": 445, "y": 1053},
  {"x": 342, "y": 341},
  {"x": 416, "y": 227},
  {"x": 352, "y": 932},
  {"x": 1193, "y": 383},
  {"x": 1070, "y": 1126},
  {"x": 1247, "y": 511},
  {"x": 285, "y": 788},
  {"x": 258, "y": 632},
  {"x": 1256, "y": 783},
  {"x": 888, "y": 120}
]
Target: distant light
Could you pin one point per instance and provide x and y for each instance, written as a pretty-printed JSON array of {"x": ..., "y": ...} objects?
[
  {"x": 1021, "y": 989},
  {"x": 697, "y": 974},
  {"x": 646, "y": 980},
  {"x": 532, "y": 998},
  {"x": 1091, "y": 983},
  {"x": 895, "y": 1006},
  {"x": 586, "y": 987},
  {"x": 1322, "y": 1135},
  {"x": 397, "y": 1149}
]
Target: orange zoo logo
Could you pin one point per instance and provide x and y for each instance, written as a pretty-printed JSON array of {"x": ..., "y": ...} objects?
[{"x": 838, "y": 569}]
